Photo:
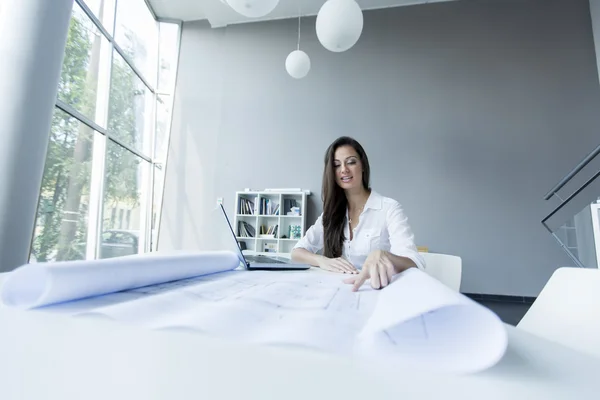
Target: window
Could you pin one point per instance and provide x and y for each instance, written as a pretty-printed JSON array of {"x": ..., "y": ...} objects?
[
  {"x": 136, "y": 32},
  {"x": 163, "y": 120},
  {"x": 117, "y": 243},
  {"x": 128, "y": 109},
  {"x": 104, "y": 10},
  {"x": 125, "y": 188},
  {"x": 100, "y": 195},
  {"x": 168, "y": 48},
  {"x": 168, "y": 39},
  {"x": 81, "y": 73},
  {"x": 62, "y": 219}
]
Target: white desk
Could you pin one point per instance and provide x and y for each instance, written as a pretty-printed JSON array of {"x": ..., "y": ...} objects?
[{"x": 56, "y": 357}]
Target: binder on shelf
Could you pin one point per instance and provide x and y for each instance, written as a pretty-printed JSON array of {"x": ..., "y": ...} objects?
[{"x": 245, "y": 229}]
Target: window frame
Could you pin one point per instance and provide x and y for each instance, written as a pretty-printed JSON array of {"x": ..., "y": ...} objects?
[{"x": 102, "y": 135}]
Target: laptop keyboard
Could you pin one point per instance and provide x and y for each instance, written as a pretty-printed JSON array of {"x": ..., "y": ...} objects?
[{"x": 263, "y": 260}]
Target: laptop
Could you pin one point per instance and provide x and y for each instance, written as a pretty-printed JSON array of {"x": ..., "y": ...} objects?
[{"x": 260, "y": 262}]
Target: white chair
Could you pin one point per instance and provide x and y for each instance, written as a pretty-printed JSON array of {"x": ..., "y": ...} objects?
[
  {"x": 567, "y": 310},
  {"x": 445, "y": 268}
]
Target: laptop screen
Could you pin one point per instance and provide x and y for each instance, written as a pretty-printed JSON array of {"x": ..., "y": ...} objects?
[{"x": 237, "y": 246}]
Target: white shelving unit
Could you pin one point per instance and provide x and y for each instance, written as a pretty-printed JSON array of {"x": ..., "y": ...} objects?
[{"x": 261, "y": 214}]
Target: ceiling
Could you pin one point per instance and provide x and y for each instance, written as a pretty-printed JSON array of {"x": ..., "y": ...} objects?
[{"x": 219, "y": 14}]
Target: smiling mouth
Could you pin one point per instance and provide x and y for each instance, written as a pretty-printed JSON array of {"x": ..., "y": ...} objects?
[{"x": 346, "y": 179}]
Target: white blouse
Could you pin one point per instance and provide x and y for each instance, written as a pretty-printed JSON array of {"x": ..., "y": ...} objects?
[{"x": 382, "y": 225}]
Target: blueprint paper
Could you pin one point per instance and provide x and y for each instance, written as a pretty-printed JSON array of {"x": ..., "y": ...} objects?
[
  {"x": 288, "y": 308},
  {"x": 416, "y": 320},
  {"x": 35, "y": 285},
  {"x": 424, "y": 320}
]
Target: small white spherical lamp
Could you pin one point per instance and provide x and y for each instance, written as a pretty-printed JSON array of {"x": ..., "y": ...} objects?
[
  {"x": 339, "y": 24},
  {"x": 252, "y": 8},
  {"x": 297, "y": 64}
]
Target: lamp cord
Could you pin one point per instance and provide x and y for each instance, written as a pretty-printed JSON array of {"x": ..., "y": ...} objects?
[{"x": 298, "y": 31}]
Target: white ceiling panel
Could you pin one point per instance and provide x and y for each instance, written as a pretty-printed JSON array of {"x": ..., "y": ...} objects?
[{"x": 220, "y": 14}]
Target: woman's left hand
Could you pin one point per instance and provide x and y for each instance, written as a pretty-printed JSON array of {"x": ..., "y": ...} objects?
[{"x": 378, "y": 267}]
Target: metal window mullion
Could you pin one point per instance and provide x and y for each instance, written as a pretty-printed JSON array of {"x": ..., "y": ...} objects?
[
  {"x": 82, "y": 118},
  {"x": 115, "y": 19},
  {"x": 149, "y": 181},
  {"x": 129, "y": 148},
  {"x": 97, "y": 187},
  {"x": 163, "y": 163},
  {"x": 149, "y": 245},
  {"x": 95, "y": 19},
  {"x": 156, "y": 93},
  {"x": 79, "y": 116},
  {"x": 144, "y": 199},
  {"x": 151, "y": 205},
  {"x": 95, "y": 210}
]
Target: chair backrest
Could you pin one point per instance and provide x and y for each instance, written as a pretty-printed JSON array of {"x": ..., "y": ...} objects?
[
  {"x": 445, "y": 268},
  {"x": 567, "y": 310}
]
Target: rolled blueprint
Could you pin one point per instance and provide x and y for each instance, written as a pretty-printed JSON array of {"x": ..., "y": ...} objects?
[{"x": 35, "y": 285}]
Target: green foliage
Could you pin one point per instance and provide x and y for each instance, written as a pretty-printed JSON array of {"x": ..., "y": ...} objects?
[
  {"x": 67, "y": 171},
  {"x": 121, "y": 166}
]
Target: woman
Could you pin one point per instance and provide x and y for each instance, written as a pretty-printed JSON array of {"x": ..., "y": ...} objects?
[{"x": 359, "y": 229}]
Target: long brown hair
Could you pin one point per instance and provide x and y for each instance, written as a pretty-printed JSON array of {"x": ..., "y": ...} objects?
[{"x": 334, "y": 198}]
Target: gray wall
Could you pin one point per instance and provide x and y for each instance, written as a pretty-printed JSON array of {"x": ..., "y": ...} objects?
[{"x": 470, "y": 111}]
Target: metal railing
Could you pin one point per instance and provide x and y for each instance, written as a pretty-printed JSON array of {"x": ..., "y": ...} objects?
[
  {"x": 573, "y": 172},
  {"x": 554, "y": 192}
]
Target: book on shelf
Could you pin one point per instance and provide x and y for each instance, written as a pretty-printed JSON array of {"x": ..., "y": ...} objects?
[
  {"x": 268, "y": 207},
  {"x": 271, "y": 230},
  {"x": 246, "y": 206},
  {"x": 245, "y": 229},
  {"x": 295, "y": 232}
]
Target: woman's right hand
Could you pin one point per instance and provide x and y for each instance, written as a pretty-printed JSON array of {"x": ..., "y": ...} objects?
[{"x": 339, "y": 264}]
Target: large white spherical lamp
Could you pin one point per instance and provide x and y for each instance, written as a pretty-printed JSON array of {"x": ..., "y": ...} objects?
[
  {"x": 252, "y": 8},
  {"x": 339, "y": 24},
  {"x": 297, "y": 64}
]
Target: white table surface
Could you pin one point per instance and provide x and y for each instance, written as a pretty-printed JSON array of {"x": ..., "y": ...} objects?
[{"x": 51, "y": 357}]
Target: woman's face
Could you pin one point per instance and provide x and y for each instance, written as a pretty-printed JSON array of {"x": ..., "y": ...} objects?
[{"x": 347, "y": 167}]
